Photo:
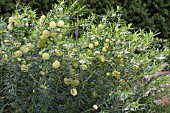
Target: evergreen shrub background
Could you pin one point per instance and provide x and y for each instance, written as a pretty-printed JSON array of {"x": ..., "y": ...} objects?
[{"x": 7, "y": 7}]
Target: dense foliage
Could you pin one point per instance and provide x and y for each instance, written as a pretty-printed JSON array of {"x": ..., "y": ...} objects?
[
  {"x": 7, "y": 7},
  {"x": 148, "y": 14},
  {"x": 44, "y": 69}
]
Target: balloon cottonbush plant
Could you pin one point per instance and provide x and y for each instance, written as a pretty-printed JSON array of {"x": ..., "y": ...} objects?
[{"x": 105, "y": 70}]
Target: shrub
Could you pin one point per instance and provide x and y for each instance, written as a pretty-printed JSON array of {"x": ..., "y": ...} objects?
[{"x": 108, "y": 69}]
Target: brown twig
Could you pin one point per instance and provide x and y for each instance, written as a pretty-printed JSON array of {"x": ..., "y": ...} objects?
[{"x": 1, "y": 98}]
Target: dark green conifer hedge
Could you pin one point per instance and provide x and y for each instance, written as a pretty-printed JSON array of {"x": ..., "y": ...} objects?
[{"x": 42, "y": 6}]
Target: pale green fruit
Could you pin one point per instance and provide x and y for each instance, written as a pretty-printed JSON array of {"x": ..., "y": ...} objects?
[
  {"x": 40, "y": 52},
  {"x": 24, "y": 62},
  {"x": 104, "y": 49},
  {"x": 58, "y": 53},
  {"x": 18, "y": 53},
  {"x": 100, "y": 26},
  {"x": 42, "y": 73},
  {"x": 73, "y": 92},
  {"x": 12, "y": 19},
  {"x": 75, "y": 82},
  {"x": 19, "y": 59},
  {"x": 91, "y": 46},
  {"x": 53, "y": 34},
  {"x": 29, "y": 45},
  {"x": 96, "y": 43},
  {"x": 52, "y": 25},
  {"x": 83, "y": 66},
  {"x": 45, "y": 56},
  {"x": 96, "y": 53},
  {"x": 107, "y": 40},
  {"x": 67, "y": 81},
  {"x": 24, "y": 68},
  {"x": 116, "y": 73},
  {"x": 43, "y": 17},
  {"x": 89, "y": 52},
  {"x": 56, "y": 64},
  {"x": 135, "y": 66},
  {"x": 46, "y": 33},
  {"x": 60, "y": 23},
  {"x": 102, "y": 58},
  {"x": 10, "y": 27}
]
